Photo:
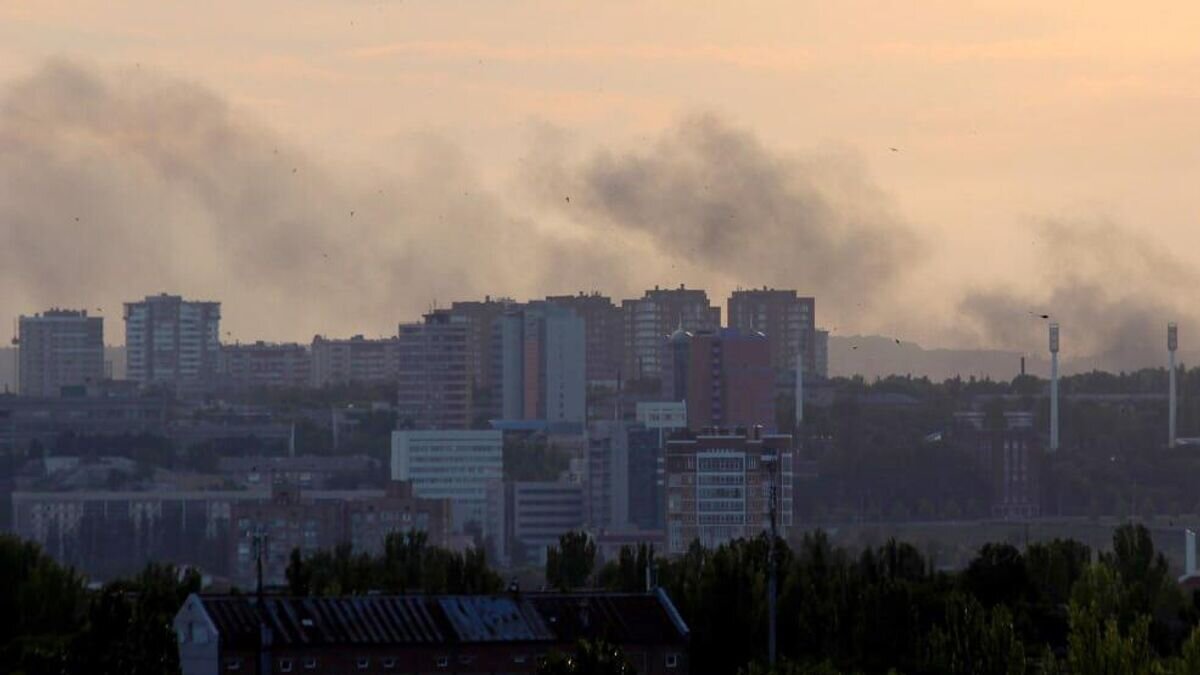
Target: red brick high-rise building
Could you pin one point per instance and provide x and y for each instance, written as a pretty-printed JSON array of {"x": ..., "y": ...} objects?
[{"x": 724, "y": 376}]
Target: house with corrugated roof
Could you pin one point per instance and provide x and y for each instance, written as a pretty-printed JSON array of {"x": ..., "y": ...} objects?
[{"x": 409, "y": 634}]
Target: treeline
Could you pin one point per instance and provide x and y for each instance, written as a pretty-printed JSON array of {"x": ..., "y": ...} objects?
[
  {"x": 51, "y": 623},
  {"x": 407, "y": 564},
  {"x": 1052, "y": 608}
]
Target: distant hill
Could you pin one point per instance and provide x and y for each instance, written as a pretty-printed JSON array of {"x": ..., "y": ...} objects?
[{"x": 875, "y": 356}]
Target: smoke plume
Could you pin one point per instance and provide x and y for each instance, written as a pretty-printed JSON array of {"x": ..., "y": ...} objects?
[
  {"x": 118, "y": 185},
  {"x": 1111, "y": 290},
  {"x": 715, "y": 197}
]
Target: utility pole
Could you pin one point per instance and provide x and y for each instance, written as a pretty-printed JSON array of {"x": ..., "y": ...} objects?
[
  {"x": 771, "y": 572},
  {"x": 259, "y": 539}
]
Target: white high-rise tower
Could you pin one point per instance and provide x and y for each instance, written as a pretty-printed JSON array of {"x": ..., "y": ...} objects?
[
  {"x": 1054, "y": 387},
  {"x": 1172, "y": 345}
]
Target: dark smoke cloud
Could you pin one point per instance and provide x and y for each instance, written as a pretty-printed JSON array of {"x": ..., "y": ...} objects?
[
  {"x": 1111, "y": 289},
  {"x": 714, "y": 196},
  {"x": 116, "y": 185},
  {"x": 113, "y": 186}
]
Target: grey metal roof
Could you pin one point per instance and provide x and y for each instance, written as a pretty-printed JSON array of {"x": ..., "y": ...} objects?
[{"x": 432, "y": 620}]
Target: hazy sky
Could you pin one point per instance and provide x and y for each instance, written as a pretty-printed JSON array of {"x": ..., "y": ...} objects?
[{"x": 1004, "y": 117}]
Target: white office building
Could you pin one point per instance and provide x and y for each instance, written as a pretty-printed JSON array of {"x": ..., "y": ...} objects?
[{"x": 450, "y": 464}]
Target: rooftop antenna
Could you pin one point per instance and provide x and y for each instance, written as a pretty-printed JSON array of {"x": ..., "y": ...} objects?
[
  {"x": 1172, "y": 345},
  {"x": 1054, "y": 387}
]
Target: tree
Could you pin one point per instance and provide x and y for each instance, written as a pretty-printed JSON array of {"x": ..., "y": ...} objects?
[
  {"x": 569, "y": 565},
  {"x": 589, "y": 658},
  {"x": 975, "y": 640}
]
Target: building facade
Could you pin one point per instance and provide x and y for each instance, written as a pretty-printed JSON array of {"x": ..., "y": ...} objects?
[
  {"x": 725, "y": 377},
  {"x": 482, "y": 317},
  {"x": 453, "y": 465},
  {"x": 293, "y": 519},
  {"x": 604, "y": 327},
  {"x": 59, "y": 348},
  {"x": 355, "y": 360},
  {"x": 435, "y": 373},
  {"x": 657, "y": 314},
  {"x": 626, "y": 474},
  {"x": 1008, "y": 453},
  {"x": 265, "y": 365},
  {"x": 538, "y": 513},
  {"x": 720, "y": 486},
  {"x": 787, "y": 319},
  {"x": 542, "y": 364},
  {"x": 172, "y": 341}
]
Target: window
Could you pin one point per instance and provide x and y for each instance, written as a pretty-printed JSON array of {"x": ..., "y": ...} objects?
[
  {"x": 443, "y": 661},
  {"x": 672, "y": 660},
  {"x": 310, "y": 663},
  {"x": 233, "y": 664},
  {"x": 285, "y": 665},
  {"x": 362, "y": 663},
  {"x": 389, "y": 664}
]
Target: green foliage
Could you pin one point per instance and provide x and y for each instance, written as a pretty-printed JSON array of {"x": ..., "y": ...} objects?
[
  {"x": 408, "y": 564},
  {"x": 973, "y": 639},
  {"x": 569, "y": 565},
  {"x": 533, "y": 459},
  {"x": 53, "y": 624},
  {"x": 589, "y": 658}
]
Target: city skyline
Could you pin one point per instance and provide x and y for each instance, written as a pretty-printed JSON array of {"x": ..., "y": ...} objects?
[{"x": 891, "y": 155}]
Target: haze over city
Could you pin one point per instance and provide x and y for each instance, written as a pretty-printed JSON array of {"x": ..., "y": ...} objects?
[
  {"x": 942, "y": 174},
  {"x": 616, "y": 338}
]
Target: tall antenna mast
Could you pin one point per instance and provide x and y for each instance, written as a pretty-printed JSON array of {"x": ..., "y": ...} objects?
[
  {"x": 1172, "y": 345},
  {"x": 1054, "y": 387}
]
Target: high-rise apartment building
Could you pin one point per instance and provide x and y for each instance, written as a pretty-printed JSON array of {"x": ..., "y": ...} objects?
[
  {"x": 59, "y": 348},
  {"x": 172, "y": 341},
  {"x": 482, "y": 320},
  {"x": 435, "y": 381},
  {"x": 263, "y": 364},
  {"x": 725, "y": 378},
  {"x": 720, "y": 487},
  {"x": 454, "y": 465},
  {"x": 625, "y": 476},
  {"x": 356, "y": 360},
  {"x": 787, "y": 319},
  {"x": 656, "y": 315},
  {"x": 604, "y": 328},
  {"x": 821, "y": 352},
  {"x": 542, "y": 364}
]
